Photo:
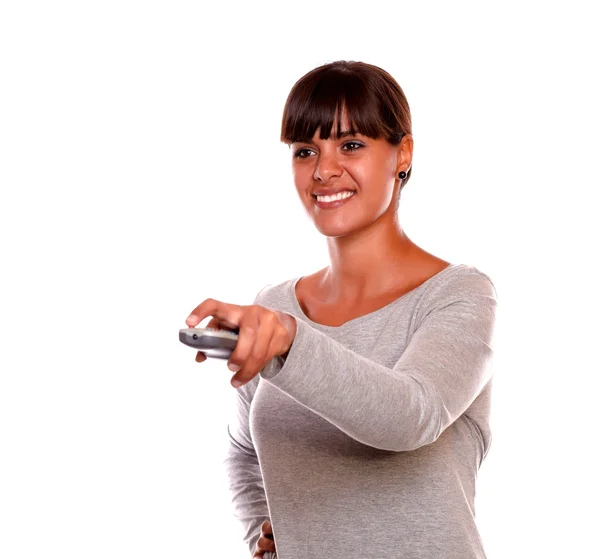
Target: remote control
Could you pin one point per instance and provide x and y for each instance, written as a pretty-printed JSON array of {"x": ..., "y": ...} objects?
[{"x": 215, "y": 343}]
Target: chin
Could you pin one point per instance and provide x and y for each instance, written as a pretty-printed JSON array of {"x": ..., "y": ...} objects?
[{"x": 335, "y": 229}]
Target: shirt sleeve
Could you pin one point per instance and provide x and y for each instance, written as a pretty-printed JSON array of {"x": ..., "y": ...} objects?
[
  {"x": 446, "y": 364},
  {"x": 246, "y": 485},
  {"x": 244, "y": 475}
]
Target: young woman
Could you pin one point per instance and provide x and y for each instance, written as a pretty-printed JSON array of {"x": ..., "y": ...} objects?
[{"x": 362, "y": 412}]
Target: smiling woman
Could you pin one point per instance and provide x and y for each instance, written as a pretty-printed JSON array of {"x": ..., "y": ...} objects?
[{"x": 363, "y": 433}]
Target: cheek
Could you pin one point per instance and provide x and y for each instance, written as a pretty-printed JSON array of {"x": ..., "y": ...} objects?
[
  {"x": 302, "y": 175},
  {"x": 296, "y": 171},
  {"x": 369, "y": 174}
]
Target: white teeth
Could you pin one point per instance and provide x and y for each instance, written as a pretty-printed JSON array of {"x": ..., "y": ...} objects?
[{"x": 339, "y": 196}]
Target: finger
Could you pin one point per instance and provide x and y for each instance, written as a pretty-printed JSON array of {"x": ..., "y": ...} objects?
[
  {"x": 267, "y": 529},
  {"x": 217, "y": 324},
  {"x": 246, "y": 339},
  {"x": 265, "y": 544},
  {"x": 200, "y": 357},
  {"x": 213, "y": 323},
  {"x": 227, "y": 314}
]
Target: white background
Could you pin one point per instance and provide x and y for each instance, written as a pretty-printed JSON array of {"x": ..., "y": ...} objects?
[{"x": 141, "y": 173}]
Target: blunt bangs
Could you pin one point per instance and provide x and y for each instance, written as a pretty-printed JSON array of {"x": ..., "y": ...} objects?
[{"x": 319, "y": 99}]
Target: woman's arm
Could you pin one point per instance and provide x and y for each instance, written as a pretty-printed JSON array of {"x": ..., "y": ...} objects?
[
  {"x": 443, "y": 369},
  {"x": 246, "y": 485},
  {"x": 243, "y": 470}
]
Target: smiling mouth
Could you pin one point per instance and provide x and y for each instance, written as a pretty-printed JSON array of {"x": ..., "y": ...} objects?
[
  {"x": 332, "y": 204},
  {"x": 315, "y": 196}
]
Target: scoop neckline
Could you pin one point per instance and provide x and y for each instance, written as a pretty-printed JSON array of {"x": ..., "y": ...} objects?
[{"x": 368, "y": 315}]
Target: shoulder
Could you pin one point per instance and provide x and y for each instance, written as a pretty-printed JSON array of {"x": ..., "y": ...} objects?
[
  {"x": 461, "y": 289},
  {"x": 461, "y": 280},
  {"x": 274, "y": 294},
  {"x": 282, "y": 291},
  {"x": 460, "y": 305},
  {"x": 260, "y": 295}
]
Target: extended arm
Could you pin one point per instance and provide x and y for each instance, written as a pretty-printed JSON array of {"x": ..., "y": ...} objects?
[{"x": 442, "y": 370}]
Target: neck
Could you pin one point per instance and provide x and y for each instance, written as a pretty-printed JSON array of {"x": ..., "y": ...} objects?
[{"x": 367, "y": 263}]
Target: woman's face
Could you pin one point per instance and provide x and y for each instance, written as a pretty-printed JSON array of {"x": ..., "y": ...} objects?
[{"x": 358, "y": 163}]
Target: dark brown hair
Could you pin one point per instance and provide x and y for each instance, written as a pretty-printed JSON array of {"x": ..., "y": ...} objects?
[{"x": 375, "y": 104}]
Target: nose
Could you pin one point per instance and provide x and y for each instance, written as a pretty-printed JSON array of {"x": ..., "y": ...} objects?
[{"x": 327, "y": 167}]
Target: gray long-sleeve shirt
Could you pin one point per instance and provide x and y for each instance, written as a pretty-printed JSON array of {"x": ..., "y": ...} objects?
[{"x": 366, "y": 440}]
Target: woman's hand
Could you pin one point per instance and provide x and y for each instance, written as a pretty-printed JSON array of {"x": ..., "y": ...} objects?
[
  {"x": 263, "y": 334},
  {"x": 266, "y": 541}
]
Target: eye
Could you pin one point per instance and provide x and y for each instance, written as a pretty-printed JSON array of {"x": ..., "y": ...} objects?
[
  {"x": 298, "y": 153},
  {"x": 357, "y": 144}
]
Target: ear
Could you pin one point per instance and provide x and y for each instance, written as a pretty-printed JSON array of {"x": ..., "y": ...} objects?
[{"x": 404, "y": 152}]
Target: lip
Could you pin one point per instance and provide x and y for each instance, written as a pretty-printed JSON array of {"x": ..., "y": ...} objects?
[{"x": 332, "y": 205}]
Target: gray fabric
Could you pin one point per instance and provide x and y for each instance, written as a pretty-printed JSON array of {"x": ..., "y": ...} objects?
[{"x": 367, "y": 439}]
